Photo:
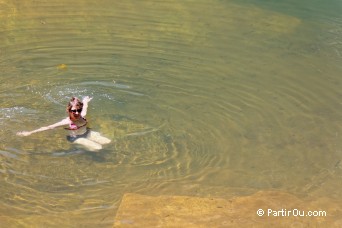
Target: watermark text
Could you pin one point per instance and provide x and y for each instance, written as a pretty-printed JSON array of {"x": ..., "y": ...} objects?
[{"x": 290, "y": 212}]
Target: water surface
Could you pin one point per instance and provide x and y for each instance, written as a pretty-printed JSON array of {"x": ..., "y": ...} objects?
[{"x": 200, "y": 98}]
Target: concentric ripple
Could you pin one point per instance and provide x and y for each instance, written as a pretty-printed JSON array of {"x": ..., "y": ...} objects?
[{"x": 199, "y": 98}]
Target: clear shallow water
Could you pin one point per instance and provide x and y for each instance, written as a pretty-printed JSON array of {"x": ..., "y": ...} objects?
[{"x": 200, "y": 98}]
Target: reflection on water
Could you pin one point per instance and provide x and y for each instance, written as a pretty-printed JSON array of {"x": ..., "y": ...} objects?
[{"x": 199, "y": 98}]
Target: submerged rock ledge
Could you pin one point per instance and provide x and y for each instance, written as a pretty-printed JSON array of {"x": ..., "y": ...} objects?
[{"x": 184, "y": 211}]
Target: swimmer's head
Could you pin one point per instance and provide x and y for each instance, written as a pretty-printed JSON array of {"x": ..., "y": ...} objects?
[{"x": 74, "y": 104}]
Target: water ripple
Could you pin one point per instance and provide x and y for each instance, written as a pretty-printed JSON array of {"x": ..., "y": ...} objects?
[{"x": 219, "y": 95}]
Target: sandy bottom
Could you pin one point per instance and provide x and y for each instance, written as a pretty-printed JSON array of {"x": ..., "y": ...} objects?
[{"x": 277, "y": 209}]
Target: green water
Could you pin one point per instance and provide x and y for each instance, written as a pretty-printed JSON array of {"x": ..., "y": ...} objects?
[{"x": 200, "y": 98}]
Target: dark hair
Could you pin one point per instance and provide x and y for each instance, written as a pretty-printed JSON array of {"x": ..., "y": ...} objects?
[{"x": 74, "y": 101}]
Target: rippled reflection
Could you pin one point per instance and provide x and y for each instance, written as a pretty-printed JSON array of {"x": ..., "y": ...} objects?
[{"x": 200, "y": 98}]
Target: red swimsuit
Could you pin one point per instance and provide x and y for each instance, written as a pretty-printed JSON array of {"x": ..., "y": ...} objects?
[{"x": 73, "y": 126}]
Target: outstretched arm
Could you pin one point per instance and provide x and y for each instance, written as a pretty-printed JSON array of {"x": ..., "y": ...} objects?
[
  {"x": 85, "y": 105},
  {"x": 60, "y": 123}
]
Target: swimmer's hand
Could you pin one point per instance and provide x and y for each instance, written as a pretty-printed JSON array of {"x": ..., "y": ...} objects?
[
  {"x": 86, "y": 99},
  {"x": 24, "y": 133}
]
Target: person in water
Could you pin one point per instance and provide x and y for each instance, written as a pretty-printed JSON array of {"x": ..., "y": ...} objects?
[{"x": 77, "y": 126}]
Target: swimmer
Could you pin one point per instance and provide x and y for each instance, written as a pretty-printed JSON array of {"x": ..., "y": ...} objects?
[{"x": 77, "y": 126}]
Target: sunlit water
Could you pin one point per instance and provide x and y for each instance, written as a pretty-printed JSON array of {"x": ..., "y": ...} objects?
[{"x": 199, "y": 98}]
